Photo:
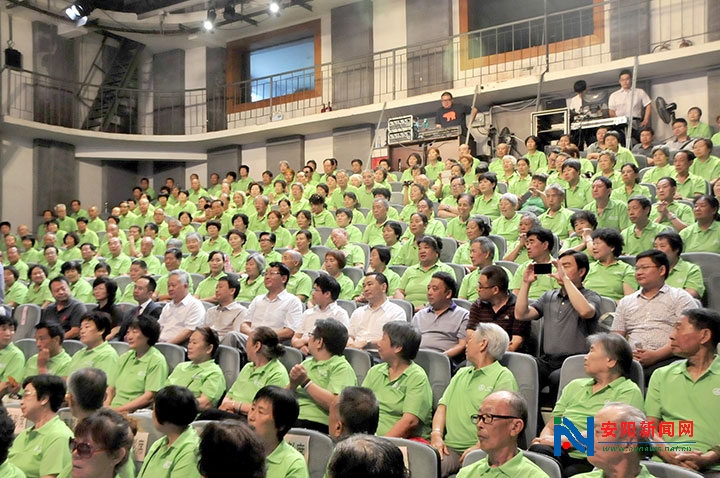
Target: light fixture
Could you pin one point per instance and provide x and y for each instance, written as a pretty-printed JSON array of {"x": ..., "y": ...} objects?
[
  {"x": 209, "y": 22},
  {"x": 229, "y": 12},
  {"x": 274, "y": 7},
  {"x": 78, "y": 12}
]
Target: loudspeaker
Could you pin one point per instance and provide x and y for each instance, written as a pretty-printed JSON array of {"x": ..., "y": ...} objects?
[{"x": 13, "y": 58}]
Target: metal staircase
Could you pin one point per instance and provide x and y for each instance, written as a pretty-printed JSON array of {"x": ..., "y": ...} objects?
[{"x": 115, "y": 105}]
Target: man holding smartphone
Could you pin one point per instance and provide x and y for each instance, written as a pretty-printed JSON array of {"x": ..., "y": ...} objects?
[
  {"x": 539, "y": 243},
  {"x": 571, "y": 314}
]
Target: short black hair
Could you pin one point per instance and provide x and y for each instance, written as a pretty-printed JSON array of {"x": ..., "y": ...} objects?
[
  {"x": 702, "y": 318},
  {"x": 48, "y": 386},
  {"x": 405, "y": 335},
  {"x": 232, "y": 283},
  {"x": 395, "y": 226},
  {"x": 367, "y": 456},
  {"x": 583, "y": 215},
  {"x": 150, "y": 328},
  {"x": 230, "y": 444},
  {"x": 327, "y": 283},
  {"x": 88, "y": 386},
  {"x": 54, "y": 329},
  {"x": 496, "y": 277},
  {"x": 285, "y": 408},
  {"x": 384, "y": 253},
  {"x": 282, "y": 269},
  {"x": 611, "y": 237},
  {"x": 333, "y": 333},
  {"x": 110, "y": 285},
  {"x": 270, "y": 236},
  {"x": 449, "y": 282},
  {"x": 543, "y": 235},
  {"x": 642, "y": 200},
  {"x": 581, "y": 261},
  {"x": 359, "y": 410},
  {"x": 7, "y": 433},
  {"x": 658, "y": 258},
  {"x": 101, "y": 320},
  {"x": 175, "y": 405},
  {"x": 673, "y": 238},
  {"x": 8, "y": 320},
  {"x": 379, "y": 277}
]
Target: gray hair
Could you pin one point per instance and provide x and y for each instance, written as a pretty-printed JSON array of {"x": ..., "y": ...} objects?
[
  {"x": 383, "y": 201},
  {"x": 555, "y": 186},
  {"x": 87, "y": 387},
  {"x": 296, "y": 256},
  {"x": 530, "y": 215},
  {"x": 173, "y": 242},
  {"x": 628, "y": 414},
  {"x": 663, "y": 148},
  {"x": 486, "y": 245},
  {"x": 609, "y": 154},
  {"x": 511, "y": 158},
  {"x": 194, "y": 235},
  {"x": 174, "y": 221},
  {"x": 498, "y": 340},
  {"x": 510, "y": 197},
  {"x": 182, "y": 276}
]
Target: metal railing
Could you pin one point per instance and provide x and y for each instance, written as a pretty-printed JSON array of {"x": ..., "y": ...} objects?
[{"x": 575, "y": 38}]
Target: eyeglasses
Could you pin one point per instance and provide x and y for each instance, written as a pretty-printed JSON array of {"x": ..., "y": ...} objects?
[
  {"x": 644, "y": 268},
  {"x": 487, "y": 418},
  {"x": 83, "y": 449}
]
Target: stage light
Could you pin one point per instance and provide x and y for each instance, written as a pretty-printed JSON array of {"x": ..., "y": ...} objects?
[
  {"x": 274, "y": 7},
  {"x": 209, "y": 22}
]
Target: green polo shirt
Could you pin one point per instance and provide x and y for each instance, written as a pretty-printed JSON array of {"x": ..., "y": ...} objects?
[
  {"x": 683, "y": 211},
  {"x": 332, "y": 375},
  {"x": 135, "y": 376},
  {"x": 619, "y": 193},
  {"x": 608, "y": 281},
  {"x": 408, "y": 210},
  {"x": 457, "y": 229},
  {"x": 488, "y": 207},
  {"x": 238, "y": 261},
  {"x": 300, "y": 284},
  {"x": 42, "y": 451},
  {"x": 38, "y": 295},
  {"x": 336, "y": 199},
  {"x": 58, "y": 365},
  {"x": 311, "y": 261},
  {"x": 206, "y": 288},
  {"x": 32, "y": 256},
  {"x": 22, "y": 268},
  {"x": 8, "y": 470},
  {"x": 347, "y": 287},
  {"x": 415, "y": 280},
  {"x": 577, "y": 401},
  {"x": 559, "y": 223},
  {"x": 119, "y": 265},
  {"x": 354, "y": 235},
  {"x": 580, "y": 195},
  {"x": 283, "y": 238},
  {"x": 408, "y": 393},
  {"x": 709, "y": 169},
  {"x": 635, "y": 245},
  {"x": 615, "y": 178},
  {"x": 82, "y": 291},
  {"x": 408, "y": 254},
  {"x": 325, "y": 219},
  {"x": 543, "y": 283},
  {"x": 296, "y": 206},
  {"x": 644, "y": 473},
  {"x": 251, "y": 379},
  {"x": 17, "y": 293},
  {"x": 249, "y": 291},
  {"x": 197, "y": 264},
  {"x": 614, "y": 216},
  {"x": 433, "y": 170},
  {"x": 623, "y": 156},
  {"x": 523, "y": 255},
  {"x": 469, "y": 285},
  {"x": 12, "y": 363},
  {"x": 673, "y": 395},
  {"x": 285, "y": 461},
  {"x": 520, "y": 186},
  {"x": 96, "y": 225},
  {"x": 67, "y": 224},
  {"x": 686, "y": 275},
  {"x": 697, "y": 240},
  {"x": 103, "y": 357},
  {"x": 538, "y": 160},
  {"x": 517, "y": 467},
  {"x": 220, "y": 244},
  {"x": 170, "y": 461},
  {"x": 373, "y": 234},
  {"x": 205, "y": 378},
  {"x": 507, "y": 228},
  {"x": 393, "y": 283},
  {"x": 693, "y": 186},
  {"x": 88, "y": 268},
  {"x": 655, "y": 174},
  {"x": 463, "y": 397}
]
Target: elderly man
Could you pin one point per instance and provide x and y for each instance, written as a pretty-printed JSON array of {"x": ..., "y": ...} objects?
[
  {"x": 227, "y": 315},
  {"x": 373, "y": 234},
  {"x": 646, "y": 317},
  {"x": 366, "y": 456},
  {"x": 183, "y": 314},
  {"x": 366, "y": 322},
  {"x": 197, "y": 261},
  {"x": 557, "y": 216},
  {"x": 299, "y": 283},
  {"x": 65, "y": 222},
  {"x": 325, "y": 292},
  {"x": 443, "y": 323},
  {"x": 452, "y": 433},
  {"x": 482, "y": 251},
  {"x": 686, "y": 392},
  {"x": 278, "y": 309},
  {"x": 500, "y": 421},
  {"x": 118, "y": 261},
  {"x": 356, "y": 410},
  {"x": 355, "y": 255},
  {"x": 66, "y": 310}
]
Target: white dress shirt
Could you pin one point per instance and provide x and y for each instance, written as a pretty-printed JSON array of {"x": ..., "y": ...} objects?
[
  {"x": 332, "y": 311},
  {"x": 366, "y": 323},
  {"x": 284, "y": 311},
  {"x": 188, "y": 314}
]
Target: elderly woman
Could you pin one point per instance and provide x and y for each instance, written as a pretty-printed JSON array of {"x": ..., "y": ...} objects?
[
  {"x": 274, "y": 411},
  {"x": 452, "y": 433},
  {"x": 335, "y": 262},
  {"x": 238, "y": 254},
  {"x": 42, "y": 449},
  {"x": 476, "y": 226},
  {"x": 704, "y": 234},
  {"x": 456, "y": 227},
  {"x": 629, "y": 174},
  {"x": 509, "y": 221},
  {"x": 94, "y": 329},
  {"x": 583, "y": 224},
  {"x": 205, "y": 290},
  {"x": 517, "y": 250},
  {"x": 175, "y": 454},
  {"x": 252, "y": 285},
  {"x": 320, "y": 215},
  {"x": 608, "y": 276},
  {"x": 400, "y": 385},
  {"x": 661, "y": 167},
  {"x": 391, "y": 232},
  {"x": 408, "y": 254},
  {"x": 318, "y": 381},
  {"x": 303, "y": 240},
  {"x": 101, "y": 446},
  {"x": 200, "y": 373},
  {"x": 608, "y": 364},
  {"x": 141, "y": 371},
  {"x": 39, "y": 289},
  {"x": 414, "y": 282},
  {"x": 263, "y": 349},
  {"x": 230, "y": 445}
]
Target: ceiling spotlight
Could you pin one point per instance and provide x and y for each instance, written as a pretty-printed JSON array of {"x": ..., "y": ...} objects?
[
  {"x": 274, "y": 7},
  {"x": 229, "y": 12},
  {"x": 79, "y": 11},
  {"x": 209, "y": 22}
]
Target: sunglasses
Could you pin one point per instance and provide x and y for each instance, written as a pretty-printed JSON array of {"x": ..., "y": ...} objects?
[{"x": 83, "y": 449}]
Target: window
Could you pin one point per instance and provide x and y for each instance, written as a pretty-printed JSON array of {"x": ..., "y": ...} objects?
[
  {"x": 268, "y": 67},
  {"x": 510, "y": 30}
]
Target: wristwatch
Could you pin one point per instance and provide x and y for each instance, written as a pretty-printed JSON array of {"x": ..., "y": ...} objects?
[{"x": 672, "y": 216}]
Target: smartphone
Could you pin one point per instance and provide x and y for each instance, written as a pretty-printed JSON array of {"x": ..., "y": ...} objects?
[{"x": 542, "y": 268}]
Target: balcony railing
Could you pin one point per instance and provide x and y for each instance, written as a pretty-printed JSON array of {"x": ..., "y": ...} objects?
[{"x": 581, "y": 37}]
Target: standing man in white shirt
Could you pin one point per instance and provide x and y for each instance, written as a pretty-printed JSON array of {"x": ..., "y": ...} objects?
[
  {"x": 183, "y": 314},
  {"x": 325, "y": 293},
  {"x": 619, "y": 103},
  {"x": 367, "y": 322}
]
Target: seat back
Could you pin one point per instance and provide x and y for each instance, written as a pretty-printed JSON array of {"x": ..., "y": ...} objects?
[
  {"x": 290, "y": 358},
  {"x": 174, "y": 354},
  {"x": 72, "y": 346},
  {"x": 348, "y": 305},
  {"x": 473, "y": 457},
  {"x": 666, "y": 470},
  {"x": 398, "y": 269},
  {"x": 120, "y": 347},
  {"x": 449, "y": 246},
  {"x": 459, "y": 271},
  {"x": 366, "y": 252},
  {"x": 28, "y": 346},
  {"x": 228, "y": 358},
  {"x": 709, "y": 264},
  {"x": 547, "y": 464},
  {"x": 465, "y": 304},
  {"x": 406, "y": 306},
  {"x": 355, "y": 274},
  {"x": 146, "y": 435},
  {"x": 573, "y": 367},
  {"x": 360, "y": 361},
  {"x": 320, "y": 251},
  {"x": 315, "y": 446},
  {"x": 423, "y": 460},
  {"x": 500, "y": 244},
  {"x": 199, "y": 425},
  {"x": 437, "y": 367},
  {"x": 312, "y": 274},
  {"x": 27, "y": 317},
  {"x": 324, "y": 233},
  {"x": 122, "y": 282},
  {"x": 511, "y": 266},
  {"x": 524, "y": 369}
]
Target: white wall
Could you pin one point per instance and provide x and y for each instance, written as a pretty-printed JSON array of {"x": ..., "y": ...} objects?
[
  {"x": 255, "y": 156},
  {"x": 686, "y": 92},
  {"x": 318, "y": 147},
  {"x": 16, "y": 166},
  {"x": 195, "y": 109},
  {"x": 198, "y": 168},
  {"x": 90, "y": 180}
]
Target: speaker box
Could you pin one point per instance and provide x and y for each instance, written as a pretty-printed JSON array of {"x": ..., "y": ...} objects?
[{"x": 13, "y": 58}]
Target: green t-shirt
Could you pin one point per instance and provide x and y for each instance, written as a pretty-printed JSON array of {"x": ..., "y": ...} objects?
[
  {"x": 285, "y": 461},
  {"x": 58, "y": 365},
  {"x": 621, "y": 194},
  {"x": 644, "y": 473},
  {"x": 119, "y": 265},
  {"x": 373, "y": 235},
  {"x": 103, "y": 357},
  {"x": 176, "y": 460},
  {"x": 408, "y": 393},
  {"x": 135, "y": 376},
  {"x": 697, "y": 240},
  {"x": 519, "y": 466},
  {"x": 538, "y": 161},
  {"x": 311, "y": 261},
  {"x": 507, "y": 228},
  {"x": 415, "y": 280},
  {"x": 300, "y": 284},
  {"x": 12, "y": 363},
  {"x": 580, "y": 195},
  {"x": 238, "y": 261},
  {"x": 17, "y": 293},
  {"x": 197, "y": 264},
  {"x": 325, "y": 219},
  {"x": 615, "y": 214},
  {"x": 332, "y": 375},
  {"x": 393, "y": 283},
  {"x": 347, "y": 287},
  {"x": 635, "y": 245},
  {"x": 693, "y": 186},
  {"x": 608, "y": 281},
  {"x": 220, "y": 244},
  {"x": 655, "y": 174},
  {"x": 686, "y": 275},
  {"x": 8, "y": 470},
  {"x": 681, "y": 210},
  {"x": 42, "y": 451},
  {"x": 559, "y": 223},
  {"x": 488, "y": 207},
  {"x": 205, "y": 378},
  {"x": 206, "y": 288},
  {"x": 252, "y": 379},
  {"x": 709, "y": 169},
  {"x": 248, "y": 291},
  {"x": 700, "y": 130},
  {"x": 457, "y": 229},
  {"x": 39, "y": 294},
  {"x": 82, "y": 291}
]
